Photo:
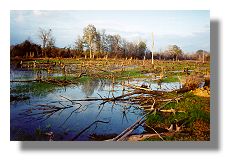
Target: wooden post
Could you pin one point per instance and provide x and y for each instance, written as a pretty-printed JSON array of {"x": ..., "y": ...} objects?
[
  {"x": 152, "y": 46},
  {"x": 203, "y": 56}
]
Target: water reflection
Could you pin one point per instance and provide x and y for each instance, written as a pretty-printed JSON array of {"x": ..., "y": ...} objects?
[
  {"x": 59, "y": 113},
  {"x": 93, "y": 85}
]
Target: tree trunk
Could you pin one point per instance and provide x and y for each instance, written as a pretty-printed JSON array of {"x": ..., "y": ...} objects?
[{"x": 90, "y": 53}]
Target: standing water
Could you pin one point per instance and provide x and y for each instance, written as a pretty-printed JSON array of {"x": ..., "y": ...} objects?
[{"x": 37, "y": 114}]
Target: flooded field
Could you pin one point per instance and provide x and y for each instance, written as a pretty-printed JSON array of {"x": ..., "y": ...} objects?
[
  {"x": 75, "y": 101},
  {"x": 96, "y": 85},
  {"x": 81, "y": 120}
]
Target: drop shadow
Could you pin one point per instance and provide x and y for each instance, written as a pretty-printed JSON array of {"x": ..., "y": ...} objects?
[{"x": 212, "y": 145}]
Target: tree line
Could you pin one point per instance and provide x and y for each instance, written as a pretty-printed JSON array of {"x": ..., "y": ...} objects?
[{"x": 97, "y": 44}]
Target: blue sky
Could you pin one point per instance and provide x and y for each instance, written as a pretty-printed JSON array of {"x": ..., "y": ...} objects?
[{"x": 190, "y": 30}]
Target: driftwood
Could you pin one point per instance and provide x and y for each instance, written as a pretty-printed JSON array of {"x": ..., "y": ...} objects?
[
  {"x": 155, "y": 132},
  {"x": 128, "y": 131},
  {"x": 122, "y": 136},
  {"x": 107, "y": 99},
  {"x": 144, "y": 90},
  {"x": 137, "y": 87},
  {"x": 142, "y": 137},
  {"x": 170, "y": 111},
  {"x": 97, "y": 121}
]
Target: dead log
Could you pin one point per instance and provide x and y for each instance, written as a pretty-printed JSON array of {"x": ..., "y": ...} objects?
[
  {"x": 140, "y": 121},
  {"x": 141, "y": 137},
  {"x": 126, "y": 132}
]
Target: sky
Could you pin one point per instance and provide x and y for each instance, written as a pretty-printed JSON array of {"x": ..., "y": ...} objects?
[{"x": 188, "y": 29}]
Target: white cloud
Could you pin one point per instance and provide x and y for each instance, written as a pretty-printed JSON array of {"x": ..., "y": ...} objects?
[{"x": 39, "y": 12}]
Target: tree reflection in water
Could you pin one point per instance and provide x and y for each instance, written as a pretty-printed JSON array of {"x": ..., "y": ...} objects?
[{"x": 92, "y": 85}]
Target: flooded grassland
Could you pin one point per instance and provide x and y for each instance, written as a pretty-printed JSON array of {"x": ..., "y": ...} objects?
[{"x": 81, "y": 100}]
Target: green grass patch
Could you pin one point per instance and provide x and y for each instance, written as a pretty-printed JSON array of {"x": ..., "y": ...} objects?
[
  {"x": 84, "y": 79},
  {"x": 170, "y": 79},
  {"x": 74, "y": 79},
  {"x": 34, "y": 88},
  {"x": 131, "y": 73},
  {"x": 194, "y": 107},
  {"x": 155, "y": 118},
  {"x": 42, "y": 88},
  {"x": 68, "y": 78},
  {"x": 171, "y": 105}
]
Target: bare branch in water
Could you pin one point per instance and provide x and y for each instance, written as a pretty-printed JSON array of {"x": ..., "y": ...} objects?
[{"x": 78, "y": 134}]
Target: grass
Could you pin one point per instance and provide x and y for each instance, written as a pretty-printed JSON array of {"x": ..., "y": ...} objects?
[
  {"x": 120, "y": 75},
  {"x": 135, "y": 73},
  {"x": 68, "y": 78},
  {"x": 42, "y": 88},
  {"x": 155, "y": 118},
  {"x": 84, "y": 79},
  {"x": 34, "y": 88},
  {"x": 74, "y": 79},
  {"x": 170, "y": 79},
  {"x": 196, "y": 109}
]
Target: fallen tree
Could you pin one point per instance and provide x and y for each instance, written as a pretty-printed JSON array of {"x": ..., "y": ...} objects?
[{"x": 123, "y": 135}]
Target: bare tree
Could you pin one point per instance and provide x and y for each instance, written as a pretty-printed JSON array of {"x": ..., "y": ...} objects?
[
  {"x": 202, "y": 55},
  {"x": 89, "y": 36},
  {"x": 104, "y": 43},
  {"x": 48, "y": 41},
  {"x": 98, "y": 44},
  {"x": 79, "y": 46},
  {"x": 175, "y": 51},
  {"x": 141, "y": 49}
]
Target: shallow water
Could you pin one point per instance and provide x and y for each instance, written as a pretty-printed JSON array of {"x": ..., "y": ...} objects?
[{"x": 82, "y": 119}]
